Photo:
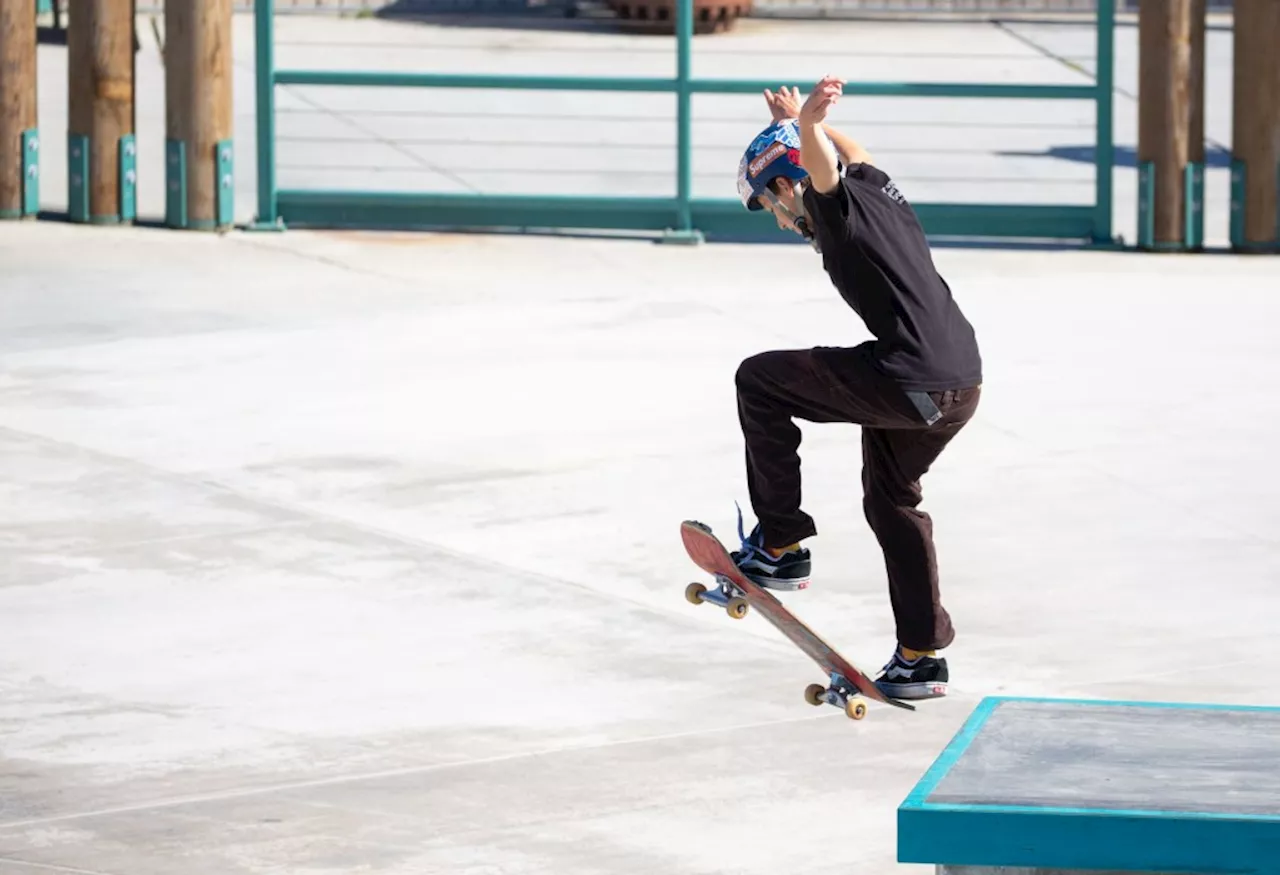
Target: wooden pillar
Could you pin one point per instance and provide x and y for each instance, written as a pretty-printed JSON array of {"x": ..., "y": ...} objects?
[
  {"x": 1255, "y": 136},
  {"x": 198, "y": 113},
  {"x": 19, "y": 140},
  {"x": 101, "y": 155},
  {"x": 1171, "y": 48}
]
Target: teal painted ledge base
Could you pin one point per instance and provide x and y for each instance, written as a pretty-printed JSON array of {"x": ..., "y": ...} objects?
[
  {"x": 1005, "y": 870},
  {"x": 1062, "y": 786}
]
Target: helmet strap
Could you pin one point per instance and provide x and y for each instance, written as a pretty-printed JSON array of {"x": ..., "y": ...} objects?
[{"x": 799, "y": 219}]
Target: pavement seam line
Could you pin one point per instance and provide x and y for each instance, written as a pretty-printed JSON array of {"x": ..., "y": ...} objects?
[
  {"x": 53, "y": 867},
  {"x": 410, "y": 771}
]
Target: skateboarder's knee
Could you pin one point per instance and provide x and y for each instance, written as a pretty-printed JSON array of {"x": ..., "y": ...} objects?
[
  {"x": 888, "y": 498},
  {"x": 748, "y": 372},
  {"x": 761, "y": 368}
]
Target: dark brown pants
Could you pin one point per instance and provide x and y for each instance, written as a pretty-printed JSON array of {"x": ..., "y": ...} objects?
[{"x": 840, "y": 385}]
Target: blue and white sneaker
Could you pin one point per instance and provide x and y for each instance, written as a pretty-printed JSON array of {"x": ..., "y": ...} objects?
[
  {"x": 925, "y": 677},
  {"x": 790, "y": 571}
]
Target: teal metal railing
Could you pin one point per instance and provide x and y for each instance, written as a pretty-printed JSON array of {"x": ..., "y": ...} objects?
[{"x": 683, "y": 217}]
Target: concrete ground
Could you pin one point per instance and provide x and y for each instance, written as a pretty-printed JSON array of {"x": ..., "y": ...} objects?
[{"x": 358, "y": 553}]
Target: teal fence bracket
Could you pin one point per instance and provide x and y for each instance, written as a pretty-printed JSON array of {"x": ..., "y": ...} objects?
[
  {"x": 226, "y": 184},
  {"x": 78, "y": 177},
  {"x": 1193, "y": 206},
  {"x": 30, "y": 172},
  {"x": 1146, "y": 205},
  {"x": 1238, "y": 176},
  {"x": 128, "y": 178},
  {"x": 1239, "y": 199},
  {"x": 175, "y": 183}
]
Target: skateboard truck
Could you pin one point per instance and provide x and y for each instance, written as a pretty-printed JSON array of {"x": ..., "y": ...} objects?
[
  {"x": 726, "y": 595},
  {"x": 842, "y": 694}
]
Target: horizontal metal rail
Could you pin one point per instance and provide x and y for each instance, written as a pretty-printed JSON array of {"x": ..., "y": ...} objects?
[{"x": 646, "y": 84}]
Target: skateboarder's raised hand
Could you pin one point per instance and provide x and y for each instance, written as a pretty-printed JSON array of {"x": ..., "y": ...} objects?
[
  {"x": 820, "y": 100},
  {"x": 783, "y": 105}
]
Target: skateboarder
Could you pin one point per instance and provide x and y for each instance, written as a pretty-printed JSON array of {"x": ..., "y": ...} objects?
[{"x": 912, "y": 389}]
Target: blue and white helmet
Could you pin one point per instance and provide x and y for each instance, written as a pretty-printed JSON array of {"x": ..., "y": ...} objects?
[{"x": 774, "y": 152}]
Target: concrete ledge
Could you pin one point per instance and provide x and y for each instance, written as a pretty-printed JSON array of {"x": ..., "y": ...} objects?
[
  {"x": 1007, "y": 870},
  {"x": 1066, "y": 785}
]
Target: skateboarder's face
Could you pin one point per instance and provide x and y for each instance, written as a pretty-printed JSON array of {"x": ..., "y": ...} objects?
[{"x": 787, "y": 206}]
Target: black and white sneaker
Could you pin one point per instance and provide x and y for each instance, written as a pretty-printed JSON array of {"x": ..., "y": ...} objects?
[
  {"x": 790, "y": 571},
  {"x": 923, "y": 678}
]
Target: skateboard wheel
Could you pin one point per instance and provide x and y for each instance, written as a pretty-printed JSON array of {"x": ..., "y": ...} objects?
[
  {"x": 856, "y": 709},
  {"x": 693, "y": 593},
  {"x": 814, "y": 694},
  {"x": 737, "y": 607}
]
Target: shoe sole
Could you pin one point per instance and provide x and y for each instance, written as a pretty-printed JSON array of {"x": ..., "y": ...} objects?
[
  {"x": 922, "y": 690},
  {"x": 781, "y": 585}
]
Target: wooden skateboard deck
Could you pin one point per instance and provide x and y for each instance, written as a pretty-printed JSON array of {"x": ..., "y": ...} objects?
[{"x": 736, "y": 593}]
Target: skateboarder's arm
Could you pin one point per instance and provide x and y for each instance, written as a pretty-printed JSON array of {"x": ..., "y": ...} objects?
[
  {"x": 818, "y": 156},
  {"x": 817, "y": 150},
  {"x": 851, "y": 152}
]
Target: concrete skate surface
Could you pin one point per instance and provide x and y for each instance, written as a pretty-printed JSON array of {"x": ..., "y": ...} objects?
[{"x": 342, "y": 553}]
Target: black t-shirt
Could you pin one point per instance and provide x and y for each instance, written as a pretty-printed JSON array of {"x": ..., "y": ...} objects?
[{"x": 876, "y": 254}]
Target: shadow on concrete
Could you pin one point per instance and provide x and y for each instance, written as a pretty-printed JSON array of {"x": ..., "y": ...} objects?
[
  {"x": 1125, "y": 156},
  {"x": 764, "y": 238},
  {"x": 583, "y": 16},
  {"x": 51, "y": 36},
  {"x": 56, "y": 34},
  {"x": 62, "y": 217},
  {"x": 1006, "y": 244},
  {"x": 631, "y": 17}
]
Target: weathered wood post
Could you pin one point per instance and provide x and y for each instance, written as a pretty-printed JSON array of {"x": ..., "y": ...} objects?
[
  {"x": 1171, "y": 48},
  {"x": 1255, "y": 136},
  {"x": 199, "y": 167},
  {"x": 19, "y": 135},
  {"x": 101, "y": 149}
]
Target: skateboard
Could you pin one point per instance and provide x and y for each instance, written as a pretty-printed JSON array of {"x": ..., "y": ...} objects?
[{"x": 847, "y": 685}]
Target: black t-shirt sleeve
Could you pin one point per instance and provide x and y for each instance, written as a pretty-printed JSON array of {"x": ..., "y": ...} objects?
[
  {"x": 833, "y": 211},
  {"x": 868, "y": 173}
]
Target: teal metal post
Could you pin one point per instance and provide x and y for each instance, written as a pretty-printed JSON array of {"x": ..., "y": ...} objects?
[
  {"x": 264, "y": 39},
  {"x": 1104, "y": 158},
  {"x": 684, "y": 231}
]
